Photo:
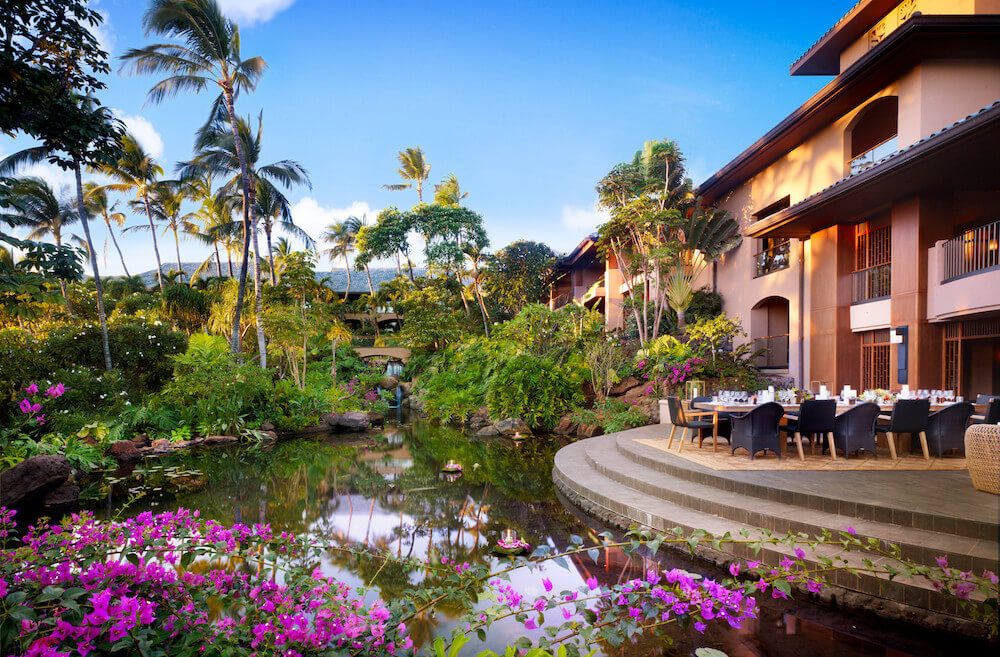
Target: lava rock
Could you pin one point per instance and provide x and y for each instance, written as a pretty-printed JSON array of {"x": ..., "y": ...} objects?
[
  {"x": 220, "y": 440},
  {"x": 161, "y": 445},
  {"x": 388, "y": 383},
  {"x": 354, "y": 421},
  {"x": 267, "y": 425},
  {"x": 124, "y": 451},
  {"x": 141, "y": 440},
  {"x": 407, "y": 387},
  {"x": 62, "y": 500},
  {"x": 376, "y": 419},
  {"x": 330, "y": 419},
  {"x": 624, "y": 386},
  {"x": 636, "y": 393},
  {"x": 489, "y": 431},
  {"x": 566, "y": 427},
  {"x": 589, "y": 430},
  {"x": 31, "y": 479},
  {"x": 512, "y": 425},
  {"x": 479, "y": 419}
]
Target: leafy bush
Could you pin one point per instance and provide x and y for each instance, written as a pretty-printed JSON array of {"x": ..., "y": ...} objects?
[
  {"x": 535, "y": 389},
  {"x": 612, "y": 415},
  {"x": 296, "y": 408}
]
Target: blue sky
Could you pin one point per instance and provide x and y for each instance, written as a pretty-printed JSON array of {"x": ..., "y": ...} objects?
[{"x": 529, "y": 103}]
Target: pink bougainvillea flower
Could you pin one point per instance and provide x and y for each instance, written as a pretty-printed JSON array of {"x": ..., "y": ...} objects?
[
  {"x": 547, "y": 583},
  {"x": 56, "y": 391},
  {"x": 942, "y": 561},
  {"x": 800, "y": 553},
  {"x": 32, "y": 389},
  {"x": 25, "y": 406},
  {"x": 592, "y": 583},
  {"x": 530, "y": 624},
  {"x": 734, "y": 569},
  {"x": 852, "y": 531}
]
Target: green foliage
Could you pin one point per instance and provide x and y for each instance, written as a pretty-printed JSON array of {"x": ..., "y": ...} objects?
[
  {"x": 706, "y": 304},
  {"x": 518, "y": 275},
  {"x": 667, "y": 349},
  {"x": 611, "y": 415},
  {"x": 431, "y": 319},
  {"x": 536, "y": 389},
  {"x": 709, "y": 336},
  {"x": 297, "y": 408},
  {"x": 455, "y": 385}
]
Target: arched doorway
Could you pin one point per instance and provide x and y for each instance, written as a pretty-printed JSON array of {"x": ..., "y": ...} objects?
[
  {"x": 769, "y": 321},
  {"x": 871, "y": 134}
]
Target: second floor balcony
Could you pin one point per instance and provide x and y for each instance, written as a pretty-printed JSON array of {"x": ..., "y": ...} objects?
[
  {"x": 963, "y": 274},
  {"x": 872, "y": 284},
  {"x": 771, "y": 259}
]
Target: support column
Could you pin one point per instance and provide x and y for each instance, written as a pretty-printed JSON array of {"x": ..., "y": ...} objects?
[
  {"x": 614, "y": 311},
  {"x": 834, "y": 352}
]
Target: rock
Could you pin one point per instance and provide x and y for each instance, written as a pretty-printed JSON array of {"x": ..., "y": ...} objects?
[
  {"x": 354, "y": 421},
  {"x": 161, "y": 445},
  {"x": 124, "y": 451},
  {"x": 566, "y": 427},
  {"x": 589, "y": 430},
  {"x": 267, "y": 425},
  {"x": 330, "y": 419},
  {"x": 388, "y": 383},
  {"x": 220, "y": 440},
  {"x": 479, "y": 419},
  {"x": 489, "y": 431},
  {"x": 589, "y": 395},
  {"x": 62, "y": 500},
  {"x": 512, "y": 425},
  {"x": 416, "y": 404},
  {"x": 141, "y": 440},
  {"x": 271, "y": 434},
  {"x": 624, "y": 386},
  {"x": 637, "y": 392},
  {"x": 27, "y": 482},
  {"x": 407, "y": 387},
  {"x": 376, "y": 419}
]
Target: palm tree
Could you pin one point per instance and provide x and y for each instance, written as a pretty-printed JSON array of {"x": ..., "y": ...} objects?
[
  {"x": 217, "y": 151},
  {"x": 342, "y": 238},
  {"x": 136, "y": 172},
  {"x": 95, "y": 199},
  {"x": 274, "y": 210},
  {"x": 208, "y": 57},
  {"x": 168, "y": 198},
  {"x": 34, "y": 204},
  {"x": 448, "y": 192},
  {"x": 413, "y": 167}
]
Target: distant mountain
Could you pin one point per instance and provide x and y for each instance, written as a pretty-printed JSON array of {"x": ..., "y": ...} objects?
[{"x": 336, "y": 280}]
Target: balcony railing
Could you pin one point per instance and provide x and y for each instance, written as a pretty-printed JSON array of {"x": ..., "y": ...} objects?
[
  {"x": 772, "y": 352},
  {"x": 873, "y": 155},
  {"x": 971, "y": 252},
  {"x": 872, "y": 284},
  {"x": 771, "y": 259},
  {"x": 561, "y": 301}
]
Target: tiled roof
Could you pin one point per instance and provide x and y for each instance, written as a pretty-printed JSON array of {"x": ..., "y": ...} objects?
[
  {"x": 336, "y": 279},
  {"x": 833, "y": 28}
]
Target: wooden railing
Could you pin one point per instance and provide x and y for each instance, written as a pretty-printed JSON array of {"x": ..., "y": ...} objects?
[
  {"x": 872, "y": 283},
  {"x": 971, "y": 252},
  {"x": 771, "y": 259}
]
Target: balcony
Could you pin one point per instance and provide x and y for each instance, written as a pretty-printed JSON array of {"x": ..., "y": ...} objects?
[
  {"x": 772, "y": 352},
  {"x": 873, "y": 155},
  {"x": 872, "y": 284},
  {"x": 770, "y": 260},
  {"x": 963, "y": 274}
]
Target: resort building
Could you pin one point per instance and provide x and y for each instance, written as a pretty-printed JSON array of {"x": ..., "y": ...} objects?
[{"x": 871, "y": 214}]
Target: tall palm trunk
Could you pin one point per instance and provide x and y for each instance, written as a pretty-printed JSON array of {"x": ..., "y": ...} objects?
[
  {"x": 111, "y": 231},
  {"x": 177, "y": 248},
  {"x": 229, "y": 258},
  {"x": 218, "y": 260},
  {"x": 57, "y": 238},
  {"x": 258, "y": 298},
  {"x": 156, "y": 247},
  {"x": 248, "y": 215},
  {"x": 371, "y": 286},
  {"x": 102, "y": 316},
  {"x": 270, "y": 252},
  {"x": 347, "y": 268}
]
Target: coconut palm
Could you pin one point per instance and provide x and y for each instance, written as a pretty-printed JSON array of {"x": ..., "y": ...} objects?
[
  {"x": 221, "y": 152},
  {"x": 414, "y": 169},
  {"x": 208, "y": 57},
  {"x": 449, "y": 192},
  {"x": 34, "y": 204},
  {"x": 168, "y": 199},
  {"x": 342, "y": 237},
  {"x": 275, "y": 211},
  {"x": 95, "y": 199},
  {"x": 136, "y": 172}
]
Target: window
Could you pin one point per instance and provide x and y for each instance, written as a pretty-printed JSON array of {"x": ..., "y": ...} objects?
[
  {"x": 875, "y": 359},
  {"x": 771, "y": 253},
  {"x": 872, "y": 268},
  {"x": 769, "y": 321},
  {"x": 871, "y": 135}
]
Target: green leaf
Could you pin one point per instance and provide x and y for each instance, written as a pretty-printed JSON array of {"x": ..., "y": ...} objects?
[
  {"x": 594, "y": 553},
  {"x": 709, "y": 652}
]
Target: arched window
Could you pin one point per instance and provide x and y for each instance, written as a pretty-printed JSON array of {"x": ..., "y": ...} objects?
[
  {"x": 871, "y": 135},
  {"x": 769, "y": 331}
]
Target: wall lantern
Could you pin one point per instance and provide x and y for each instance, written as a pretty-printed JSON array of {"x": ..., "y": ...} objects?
[{"x": 899, "y": 336}]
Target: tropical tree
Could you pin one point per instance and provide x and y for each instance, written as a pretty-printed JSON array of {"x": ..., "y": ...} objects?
[
  {"x": 518, "y": 274},
  {"x": 388, "y": 237},
  {"x": 275, "y": 211},
  {"x": 137, "y": 173},
  {"x": 414, "y": 170},
  {"x": 342, "y": 238},
  {"x": 95, "y": 199},
  {"x": 35, "y": 205},
  {"x": 449, "y": 192},
  {"x": 169, "y": 197},
  {"x": 207, "y": 57}
]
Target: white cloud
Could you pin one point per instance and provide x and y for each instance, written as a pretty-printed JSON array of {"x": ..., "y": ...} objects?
[
  {"x": 248, "y": 12},
  {"x": 583, "y": 219},
  {"x": 144, "y": 131},
  {"x": 104, "y": 33},
  {"x": 313, "y": 218},
  {"x": 61, "y": 181}
]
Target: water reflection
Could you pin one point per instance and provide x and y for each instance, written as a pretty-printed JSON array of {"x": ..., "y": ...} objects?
[{"x": 388, "y": 492}]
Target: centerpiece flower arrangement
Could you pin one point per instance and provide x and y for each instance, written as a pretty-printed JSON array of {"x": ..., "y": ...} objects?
[{"x": 510, "y": 544}]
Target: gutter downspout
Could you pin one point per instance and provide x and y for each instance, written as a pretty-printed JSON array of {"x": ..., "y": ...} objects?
[{"x": 802, "y": 319}]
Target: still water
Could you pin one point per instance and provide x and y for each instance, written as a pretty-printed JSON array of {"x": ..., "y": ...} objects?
[{"x": 386, "y": 491}]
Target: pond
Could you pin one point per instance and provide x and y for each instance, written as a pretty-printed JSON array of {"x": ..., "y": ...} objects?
[{"x": 386, "y": 491}]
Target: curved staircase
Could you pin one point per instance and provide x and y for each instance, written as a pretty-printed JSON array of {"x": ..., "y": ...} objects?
[{"x": 928, "y": 514}]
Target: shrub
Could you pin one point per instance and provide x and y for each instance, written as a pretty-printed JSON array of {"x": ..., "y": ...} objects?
[
  {"x": 535, "y": 389},
  {"x": 612, "y": 415}
]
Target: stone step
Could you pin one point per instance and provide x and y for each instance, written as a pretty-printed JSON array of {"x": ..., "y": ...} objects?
[
  {"x": 840, "y": 492},
  {"x": 919, "y": 545},
  {"x": 609, "y": 500}
]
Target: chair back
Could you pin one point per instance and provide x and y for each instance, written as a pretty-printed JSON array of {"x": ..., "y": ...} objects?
[
  {"x": 857, "y": 422},
  {"x": 950, "y": 422},
  {"x": 984, "y": 399},
  {"x": 765, "y": 418},
  {"x": 817, "y": 415},
  {"x": 910, "y": 415},
  {"x": 992, "y": 415},
  {"x": 676, "y": 411}
]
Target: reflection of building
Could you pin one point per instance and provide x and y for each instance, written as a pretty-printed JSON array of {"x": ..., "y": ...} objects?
[{"x": 871, "y": 213}]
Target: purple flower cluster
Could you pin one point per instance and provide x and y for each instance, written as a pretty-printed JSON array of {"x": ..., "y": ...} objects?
[
  {"x": 32, "y": 404},
  {"x": 174, "y": 580}
]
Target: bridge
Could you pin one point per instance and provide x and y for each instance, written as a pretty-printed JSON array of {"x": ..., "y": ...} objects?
[{"x": 401, "y": 354}]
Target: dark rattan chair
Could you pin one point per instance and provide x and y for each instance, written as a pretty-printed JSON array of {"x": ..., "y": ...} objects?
[
  {"x": 946, "y": 429},
  {"x": 815, "y": 419},
  {"x": 854, "y": 430},
  {"x": 757, "y": 430},
  {"x": 908, "y": 416},
  {"x": 992, "y": 414},
  {"x": 724, "y": 426},
  {"x": 687, "y": 420}
]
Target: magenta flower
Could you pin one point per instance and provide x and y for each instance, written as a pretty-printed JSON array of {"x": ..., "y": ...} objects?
[
  {"x": 56, "y": 391},
  {"x": 25, "y": 406},
  {"x": 852, "y": 531},
  {"x": 734, "y": 569},
  {"x": 530, "y": 624},
  {"x": 592, "y": 583},
  {"x": 547, "y": 583},
  {"x": 942, "y": 561},
  {"x": 800, "y": 553},
  {"x": 814, "y": 586},
  {"x": 40, "y": 419},
  {"x": 32, "y": 389}
]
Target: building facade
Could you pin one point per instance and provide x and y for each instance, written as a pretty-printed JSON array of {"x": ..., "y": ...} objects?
[{"x": 871, "y": 214}]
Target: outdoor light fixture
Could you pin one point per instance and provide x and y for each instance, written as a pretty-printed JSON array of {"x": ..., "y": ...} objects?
[{"x": 899, "y": 336}]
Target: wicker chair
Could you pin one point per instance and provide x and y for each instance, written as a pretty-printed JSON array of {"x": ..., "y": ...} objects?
[
  {"x": 687, "y": 420},
  {"x": 946, "y": 429},
  {"x": 992, "y": 414},
  {"x": 757, "y": 430},
  {"x": 815, "y": 418},
  {"x": 854, "y": 430},
  {"x": 724, "y": 427},
  {"x": 908, "y": 416},
  {"x": 982, "y": 454}
]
